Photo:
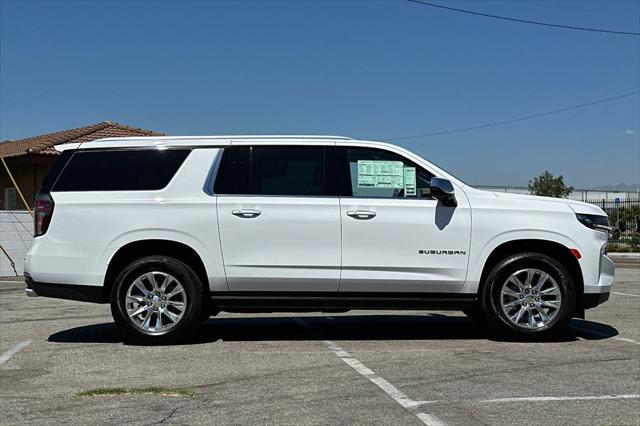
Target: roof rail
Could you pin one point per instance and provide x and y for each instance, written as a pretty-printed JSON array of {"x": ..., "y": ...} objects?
[
  {"x": 289, "y": 137},
  {"x": 232, "y": 137}
]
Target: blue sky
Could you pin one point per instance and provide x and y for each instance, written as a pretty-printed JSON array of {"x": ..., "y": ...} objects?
[{"x": 368, "y": 69}]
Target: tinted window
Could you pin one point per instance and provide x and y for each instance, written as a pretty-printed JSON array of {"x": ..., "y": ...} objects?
[
  {"x": 379, "y": 173},
  {"x": 120, "y": 170},
  {"x": 273, "y": 170},
  {"x": 288, "y": 170},
  {"x": 56, "y": 169},
  {"x": 233, "y": 174}
]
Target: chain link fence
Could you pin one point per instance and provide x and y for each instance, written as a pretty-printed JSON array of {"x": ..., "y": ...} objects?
[{"x": 624, "y": 217}]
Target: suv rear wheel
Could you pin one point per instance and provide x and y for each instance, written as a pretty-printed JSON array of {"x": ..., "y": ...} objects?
[
  {"x": 157, "y": 299},
  {"x": 528, "y": 296}
]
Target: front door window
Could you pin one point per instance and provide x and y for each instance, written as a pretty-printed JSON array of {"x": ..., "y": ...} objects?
[{"x": 375, "y": 173}]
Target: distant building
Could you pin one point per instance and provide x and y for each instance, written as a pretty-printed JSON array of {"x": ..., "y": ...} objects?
[{"x": 30, "y": 159}]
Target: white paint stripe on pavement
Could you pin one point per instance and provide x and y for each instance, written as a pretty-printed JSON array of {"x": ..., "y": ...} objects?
[
  {"x": 561, "y": 398},
  {"x": 626, "y": 294},
  {"x": 623, "y": 339},
  {"x": 14, "y": 350},
  {"x": 598, "y": 334},
  {"x": 388, "y": 388}
]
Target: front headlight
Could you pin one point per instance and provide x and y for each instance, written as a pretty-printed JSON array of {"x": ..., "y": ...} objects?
[{"x": 599, "y": 223}]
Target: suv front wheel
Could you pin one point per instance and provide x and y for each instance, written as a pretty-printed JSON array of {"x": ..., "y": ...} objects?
[
  {"x": 157, "y": 299},
  {"x": 528, "y": 296}
]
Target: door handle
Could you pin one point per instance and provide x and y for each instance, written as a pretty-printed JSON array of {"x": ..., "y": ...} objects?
[
  {"x": 361, "y": 214},
  {"x": 246, "y": 213}
]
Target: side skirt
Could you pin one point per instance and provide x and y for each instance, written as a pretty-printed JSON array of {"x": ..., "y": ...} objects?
[{"x": 332, "y": 302}]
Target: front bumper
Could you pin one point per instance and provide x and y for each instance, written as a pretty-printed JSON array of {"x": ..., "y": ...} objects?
[
  {"x": 597, "y": 294},
  {"x": 606, "y": 273}
]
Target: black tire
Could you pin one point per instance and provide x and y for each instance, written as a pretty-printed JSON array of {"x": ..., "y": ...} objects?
[
  {"x": 193, "y": 290},
  {"x": 497, "y": 320}
]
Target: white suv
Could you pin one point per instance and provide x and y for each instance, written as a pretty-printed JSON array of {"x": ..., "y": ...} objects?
[{"x": 171, "y": 230}]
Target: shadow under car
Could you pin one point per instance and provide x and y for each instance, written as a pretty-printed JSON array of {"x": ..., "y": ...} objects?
[{"x": 347, "y": 327}]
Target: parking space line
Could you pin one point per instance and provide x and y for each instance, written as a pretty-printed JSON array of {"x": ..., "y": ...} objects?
[
  {"x": 561, "y": 398},
  {"x": 396, "y": 394},
  {"x": 597, "y": 334},
  {"x": 14, "y": 350},
  {"x": 626, "y": 294},
  {"x": 623, "y": 339}
]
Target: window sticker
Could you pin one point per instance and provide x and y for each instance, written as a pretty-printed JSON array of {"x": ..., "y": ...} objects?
[
  {"x": 381, "y": 174},
  {"x": 409, "y": 181}
]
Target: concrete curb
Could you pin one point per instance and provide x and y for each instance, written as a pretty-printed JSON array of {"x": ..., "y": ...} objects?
[
  {"x": 12, "y": 278},
  {"x": 624, "y": 256}
]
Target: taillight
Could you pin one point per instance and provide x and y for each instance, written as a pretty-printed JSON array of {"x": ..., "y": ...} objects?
[{"x": 43, "y": 212}]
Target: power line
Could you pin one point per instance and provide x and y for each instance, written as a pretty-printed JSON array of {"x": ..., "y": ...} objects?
[
  {"x": 513, "y": 120},
  {"x": 524, "y": 21}
]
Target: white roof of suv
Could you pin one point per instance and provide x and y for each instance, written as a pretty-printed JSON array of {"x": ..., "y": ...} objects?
[{"x": 175, "y": 141}]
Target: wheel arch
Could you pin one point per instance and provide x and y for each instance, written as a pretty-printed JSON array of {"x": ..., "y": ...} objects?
[
  {"x": 149, "y": 247},
  {"x": 554, "y": 249}
]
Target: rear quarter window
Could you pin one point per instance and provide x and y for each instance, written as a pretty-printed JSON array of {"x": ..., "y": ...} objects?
[{"x": 122, "y": 170}]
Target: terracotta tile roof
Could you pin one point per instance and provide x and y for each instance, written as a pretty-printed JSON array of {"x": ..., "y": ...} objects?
[{"x": 44, "y": 144}]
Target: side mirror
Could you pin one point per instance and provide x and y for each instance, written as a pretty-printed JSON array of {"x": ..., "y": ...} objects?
[{"x": 442, "y": 189}]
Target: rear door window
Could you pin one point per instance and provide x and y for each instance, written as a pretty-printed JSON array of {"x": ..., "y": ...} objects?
[
  {"x": 273, "y": 170},
  {"x": 288, "y": 170},
  {"x": 234, "y": 171}
]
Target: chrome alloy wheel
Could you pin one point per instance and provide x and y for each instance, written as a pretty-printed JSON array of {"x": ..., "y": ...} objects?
[
  {"x": 156, "y": 302},
  {"x": 530, "y": 298}
]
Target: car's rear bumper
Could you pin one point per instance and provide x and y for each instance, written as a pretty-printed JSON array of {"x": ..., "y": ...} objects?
[{"x": 83, "y": 293}]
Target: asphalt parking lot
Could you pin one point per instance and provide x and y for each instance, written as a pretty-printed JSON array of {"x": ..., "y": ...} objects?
[{"x": 399, "y": 367}]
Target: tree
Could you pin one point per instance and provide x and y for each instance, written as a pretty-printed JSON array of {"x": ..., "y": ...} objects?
[{"x": 549, "y": 186}]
